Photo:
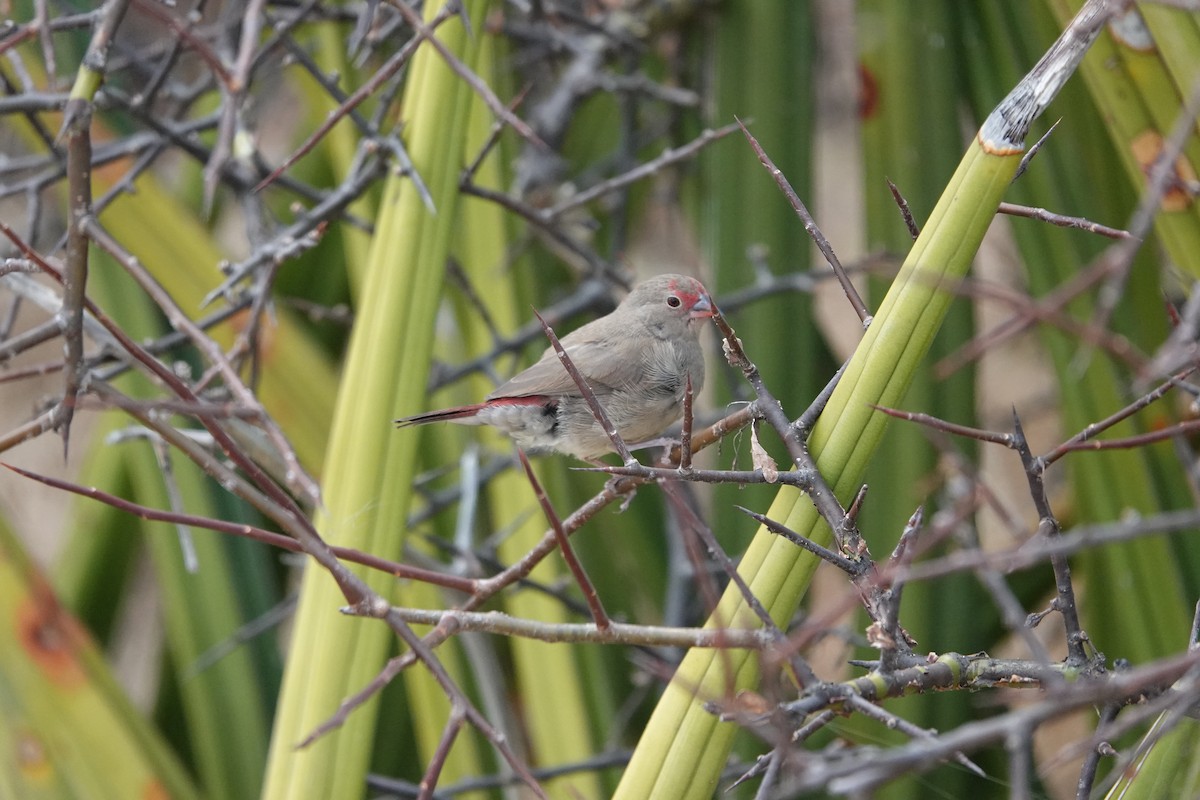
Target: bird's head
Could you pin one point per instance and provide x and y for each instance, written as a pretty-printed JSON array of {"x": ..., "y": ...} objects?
[{"x": 672, "y": 297}]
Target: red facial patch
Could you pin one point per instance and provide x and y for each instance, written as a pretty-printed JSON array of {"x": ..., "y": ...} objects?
[{"x": 688, "y": 291}]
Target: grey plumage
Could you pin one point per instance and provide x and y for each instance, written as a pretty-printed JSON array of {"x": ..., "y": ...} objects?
[{"x": 635, "y": 359}]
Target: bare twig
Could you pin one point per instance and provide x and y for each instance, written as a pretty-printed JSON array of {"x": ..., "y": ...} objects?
[
  {"x": 1041, "y": 214},
  {"x": 685, "y": 435},
  {"x": 857, "y": 771},
  {"x": 892, "y": 721},
  {"x": 856, "y": 301},
  {"x": 1050, "y": 308},
  {"x": 851, "y": 568},
  {"x": 1082, "y": 439},
  {"x": 498, "y": 108},
  {"x": 665, "y": 159},
  {"x": 77, "y": 121},
  {"x": 1033, "y": 151},
  {"x": 1005, "y": 439},
  {"x": 440, "y": 753},
  {"x": 249, "y": 532},
  {"x": 1048, "y": 528},
  {"x": 615, "y": 633},
  {"x": 818, "y": 490},
  {"x": 1160, "y": 180},
  {"x": 564, "y": 544},
  {"x": 905, "y": 212},
  {"x": 1087, "y": 773},
  {"x": 381, "y": 76},
  {"x": 294, "y": 475},
  {"x": 235, "y": 96}
]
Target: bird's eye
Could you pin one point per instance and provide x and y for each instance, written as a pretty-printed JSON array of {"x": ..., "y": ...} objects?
[{"x": 674, "y": 302}]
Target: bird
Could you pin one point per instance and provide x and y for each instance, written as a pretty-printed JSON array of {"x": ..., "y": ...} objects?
[{"x": 636, "y": 360}]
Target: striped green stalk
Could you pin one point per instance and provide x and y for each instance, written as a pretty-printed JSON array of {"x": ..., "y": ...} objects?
[
  {"x": 1165, "y": 765},
  {"x": 67, "y": 730},
  {"x": 737, "y": 206},
  {"x": 370, "y": 468},
  {"x": 1140, "y": 93},
  {"x": 104, "y": 542},
  {"x": 684, "y": 747},
  {"x": 225, "y": 712},
  {"x": 911, "y": 135},
  {"x": 1110, "y": 484},
  {"x": 1106, "y": 485},
  {"x": 341, "y": 143},
  {"x": 548, "y": 678}
]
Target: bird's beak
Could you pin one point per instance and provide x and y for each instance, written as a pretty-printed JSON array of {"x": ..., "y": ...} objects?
[{"x": 703, "y": 309}]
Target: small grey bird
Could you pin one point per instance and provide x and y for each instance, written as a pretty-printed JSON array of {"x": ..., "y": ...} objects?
[{"x": 635, "y": 359}]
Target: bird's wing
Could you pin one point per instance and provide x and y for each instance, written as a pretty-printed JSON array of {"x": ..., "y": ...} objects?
[
  {"x": 549, "y": 377},
  {"x": 594, "y": 349}
]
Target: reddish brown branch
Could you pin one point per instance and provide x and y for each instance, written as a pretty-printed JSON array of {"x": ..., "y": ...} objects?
[
  {"x": 810, "y": 225},
  {"x": 248, "y": 532},
  {"x": 564, "y": 544}
]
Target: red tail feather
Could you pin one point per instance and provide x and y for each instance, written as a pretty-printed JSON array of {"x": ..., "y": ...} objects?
[
  {"x": 444, "y": 415},
  {"x": 466, "y": 414}
]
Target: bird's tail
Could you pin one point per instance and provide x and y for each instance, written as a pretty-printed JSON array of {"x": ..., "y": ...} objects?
[{"x": 464, "y": 415}]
